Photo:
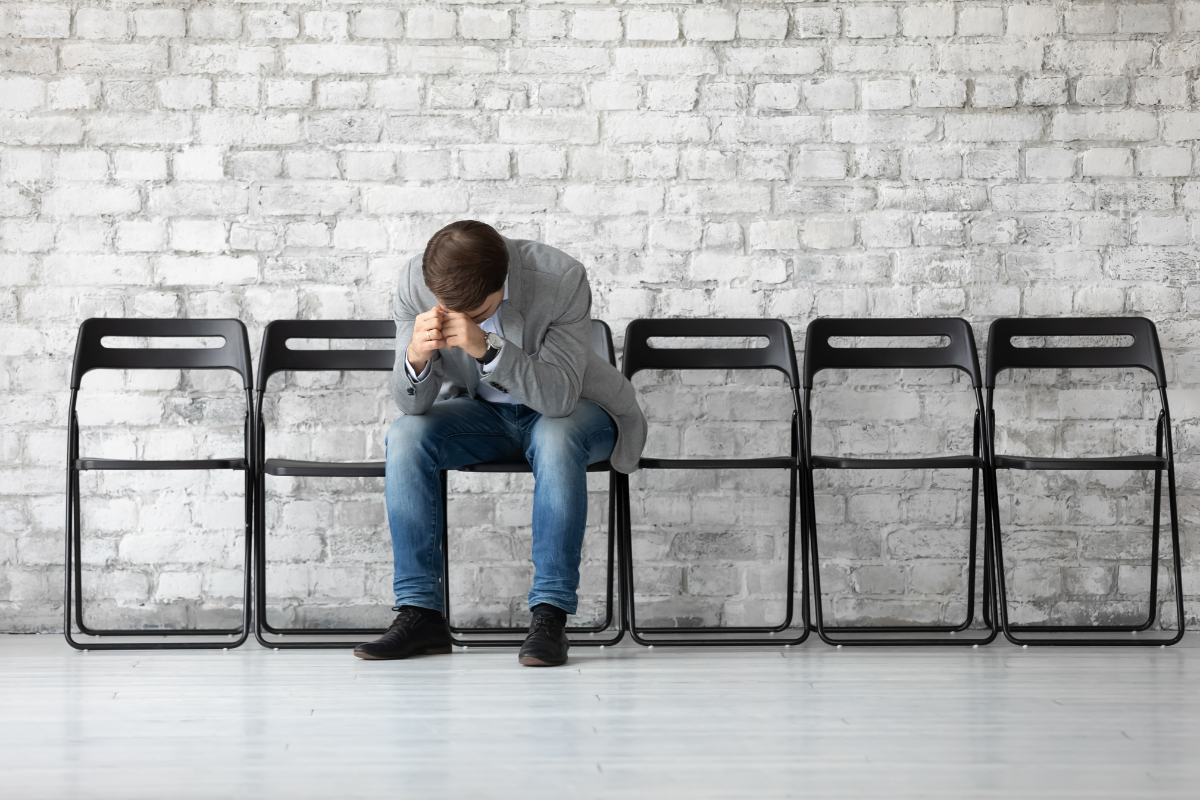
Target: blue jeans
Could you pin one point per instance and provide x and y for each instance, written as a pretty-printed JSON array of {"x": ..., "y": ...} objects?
[{"x": 466, "y": 431}]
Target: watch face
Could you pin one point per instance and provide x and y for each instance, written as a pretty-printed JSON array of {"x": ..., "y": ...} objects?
[{"x": 494, "y": 340}]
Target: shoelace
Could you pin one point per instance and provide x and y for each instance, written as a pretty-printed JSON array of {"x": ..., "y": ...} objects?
[
  {"x": 407, "y": 617},
  {"x": 541, "y": 622}
]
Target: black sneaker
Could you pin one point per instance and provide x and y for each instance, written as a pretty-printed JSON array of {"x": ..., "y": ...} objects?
[
  {"x": 546, "y": 645},
  {"x": 414, "y": 632}
]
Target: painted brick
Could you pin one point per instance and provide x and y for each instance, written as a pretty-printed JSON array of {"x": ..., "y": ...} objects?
[
  {"x": 836, "y": 93},
  {"x": 657, "y": 26},
  {"x": 994, "y": 91},
  {"x": 709, "y": 24},
  {"x": 1164, "y": 162},
  {"x": 762, "y": 23},
  {"x": 938, "y": 91},
  {"x": 1050, "y": 91},
  {"x": 870, "y": 22},
  {"x": 1108, "y": 162},
  {"x": 981, "y": 21},
  {"x": 99, "y": 23},
  {"x": 214, "y": 22},
  {"x": 1104, "y": 125},
  {"x": 326, "y": 59},
  {"x": 1034, "y": 20},
  {"x": 42, "y": 23},
  {"x": 1050, "y": 162},
  {"x": 928, "y": 21},
  {"x": 485, "y": 23},
  {"x": 276, "y": 24},
  {"x": 596, "y": 24},
  {"x": 1098, "y": 57},
  {"x": 886, "y": 94},
  {"x": 1091, "y": 19}
]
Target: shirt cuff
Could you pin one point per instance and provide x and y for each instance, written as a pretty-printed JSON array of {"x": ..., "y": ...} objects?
[{"x": 412, "y": 374}]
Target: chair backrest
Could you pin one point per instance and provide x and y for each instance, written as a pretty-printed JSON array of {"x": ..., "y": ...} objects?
[
  {"x": 778, "y": 354},
  {"x": 1143, "y": 352},
  {"x": 959, "y": 353},
  {"x": 602, "y": 342},
  {"x": 91, "y": 353},
  {"x": 276, "y": 356}
]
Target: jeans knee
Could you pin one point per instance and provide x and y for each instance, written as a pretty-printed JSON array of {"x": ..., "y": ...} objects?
[
  {"x": 407, "y": 435},
  {"x": 556, "y": 441}
]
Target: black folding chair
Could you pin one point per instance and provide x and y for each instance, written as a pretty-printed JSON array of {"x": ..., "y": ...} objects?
[
  {"x": 91, "y": 353},
  {"x": 618, "y": 494},
  {"x": 779, "y": 354},
  {"x": 275, "y": 357},
  {"x": 1142, "y": 353},
  {"x": 959, "y": 353}
]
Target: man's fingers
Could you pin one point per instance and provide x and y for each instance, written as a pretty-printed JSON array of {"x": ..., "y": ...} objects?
[{"x": 433, "y": 315}]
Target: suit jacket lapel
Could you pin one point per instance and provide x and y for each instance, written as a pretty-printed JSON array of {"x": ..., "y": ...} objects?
[
  {"x": 513, "y": 320},
  {"x": 469, "y": 369}
]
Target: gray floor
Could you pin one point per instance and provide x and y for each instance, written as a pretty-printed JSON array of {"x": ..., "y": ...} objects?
[{"x": 622, "y": 723}]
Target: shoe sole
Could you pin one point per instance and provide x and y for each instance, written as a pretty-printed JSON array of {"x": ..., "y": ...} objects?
[
  {"x": 433, "y": 651},
  {"x": 531, "y": 661}
]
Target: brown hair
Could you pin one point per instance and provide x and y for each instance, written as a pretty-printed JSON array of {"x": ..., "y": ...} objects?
[{"x": 464, "y": 263}]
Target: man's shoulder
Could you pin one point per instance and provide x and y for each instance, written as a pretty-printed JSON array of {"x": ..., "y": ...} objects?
[
  {"x": 541, "y": 258},
  {"x": 411, "y": 281}
]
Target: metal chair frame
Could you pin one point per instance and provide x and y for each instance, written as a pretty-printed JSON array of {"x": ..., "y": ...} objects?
[
  {"x": 92, "y": 354},
  {"x": 602, "y": 344},
  {"x": 1144, "y": 353},
  {"x": 959, "y": 354},
  {"x": 779, "y": 355},
  {"x": 277, "y": 357}
]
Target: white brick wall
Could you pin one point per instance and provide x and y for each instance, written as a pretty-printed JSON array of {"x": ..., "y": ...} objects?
[{"x": 794, "y": 160}]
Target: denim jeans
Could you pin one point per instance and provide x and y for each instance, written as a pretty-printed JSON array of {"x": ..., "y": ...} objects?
[{"x": 465, "y": 431}]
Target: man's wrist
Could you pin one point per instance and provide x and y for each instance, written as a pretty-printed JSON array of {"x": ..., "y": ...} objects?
[
  {"x": 492, "y": 344},
  {"x": 417, "y": 365}
]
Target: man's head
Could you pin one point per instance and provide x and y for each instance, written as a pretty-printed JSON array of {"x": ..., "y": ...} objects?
[{"x": 465, "y": 266}]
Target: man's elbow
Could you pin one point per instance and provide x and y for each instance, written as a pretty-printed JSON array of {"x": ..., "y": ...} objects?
[{"x": 564, "y": 405}]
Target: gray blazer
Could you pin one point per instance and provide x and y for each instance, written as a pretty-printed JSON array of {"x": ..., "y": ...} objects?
[{"x": 547, "y": 364}]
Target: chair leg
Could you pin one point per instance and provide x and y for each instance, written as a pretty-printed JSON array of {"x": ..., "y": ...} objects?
[
  {"x": 1015, "y": 633},
  {"x": 73, "y": 581},
  {"x": 717, "y": 636},
  {"x": 616, "y": 496},
  {"x": 262, "y": 628},
  {"x": 914, "y": 635}
]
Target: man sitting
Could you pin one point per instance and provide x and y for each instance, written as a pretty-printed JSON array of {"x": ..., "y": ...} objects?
[{"x": 506, "y": 325}]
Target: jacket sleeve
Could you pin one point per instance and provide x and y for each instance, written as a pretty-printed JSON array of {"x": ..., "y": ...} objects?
[
  {"x": 551, "y": 380},
  {"x": 410, "y": 396}
]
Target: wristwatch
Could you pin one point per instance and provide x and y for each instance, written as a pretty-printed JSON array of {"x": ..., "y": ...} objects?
[{"x": 494, "y": 343}]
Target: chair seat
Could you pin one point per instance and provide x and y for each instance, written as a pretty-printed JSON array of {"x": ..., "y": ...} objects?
[
  {"x": 931, "y": 462},
  {"x": 374, "y": 469},
  {"x": 120, "y": 463},
  {"x": 522, "y": 466},
  {"x": 323, "y": 469},
  {"x": 772, "y": 462},
  {"x": 1106, "y": 462}
]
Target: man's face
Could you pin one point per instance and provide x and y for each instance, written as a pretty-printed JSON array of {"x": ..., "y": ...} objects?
[{"x": 485, "y": 311}]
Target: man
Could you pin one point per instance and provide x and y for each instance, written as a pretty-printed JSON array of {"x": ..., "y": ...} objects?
[{"x": 503, "y": 327}]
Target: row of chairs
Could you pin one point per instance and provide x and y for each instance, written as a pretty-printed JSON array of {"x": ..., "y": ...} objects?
[{"x": 825, "y": 349}]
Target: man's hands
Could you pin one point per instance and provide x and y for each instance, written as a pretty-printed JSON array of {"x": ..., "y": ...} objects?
[
  {"x": 460, "y": 331},
  {"x": 438, "y": 328},
  {"x": 427, "y": 337}
]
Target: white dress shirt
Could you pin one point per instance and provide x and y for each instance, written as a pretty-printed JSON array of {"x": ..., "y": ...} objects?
[{"x": 493, "y": 324}]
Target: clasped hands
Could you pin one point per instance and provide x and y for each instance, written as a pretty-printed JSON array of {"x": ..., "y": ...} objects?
[{"x": 438, "y": 328}]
